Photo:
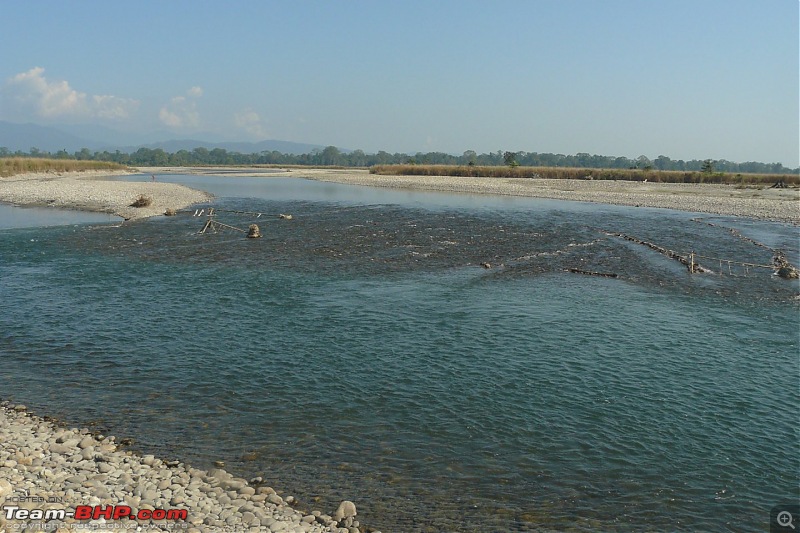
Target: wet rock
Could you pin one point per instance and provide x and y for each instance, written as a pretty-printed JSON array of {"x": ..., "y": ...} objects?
[
  {"x": 253, "y": 232},
  {"x": 783, "y": 268},
  {"x": 347, "y": 509}
]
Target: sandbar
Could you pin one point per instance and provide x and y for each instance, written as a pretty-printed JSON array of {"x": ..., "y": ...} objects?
[{"x": 93, "y": 191}]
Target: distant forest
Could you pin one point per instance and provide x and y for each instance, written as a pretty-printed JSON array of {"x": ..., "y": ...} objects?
[{"x": 332, "y": 156}]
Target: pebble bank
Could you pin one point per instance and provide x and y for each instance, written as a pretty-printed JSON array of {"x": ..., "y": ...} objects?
[
  {"x": 86, "y": 190},
  {"x": 47, "y": 467}
]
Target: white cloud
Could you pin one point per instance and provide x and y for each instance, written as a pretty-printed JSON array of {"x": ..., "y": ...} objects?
[
  {"x": 31, "y": 93},
  {"x": 181, "y": 111},
  {"x": 169, "y": 118},
  {"x": 112, "y": 107},
  {"x": 250, "y": 121}
]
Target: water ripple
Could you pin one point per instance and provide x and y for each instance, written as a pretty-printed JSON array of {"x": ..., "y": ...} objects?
[{"x": 363, "y": 351}]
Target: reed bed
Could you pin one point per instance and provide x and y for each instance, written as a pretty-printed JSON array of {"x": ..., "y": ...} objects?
[
  {"x": 657, "y": 176},
  {"x": 9, "y": 166}
]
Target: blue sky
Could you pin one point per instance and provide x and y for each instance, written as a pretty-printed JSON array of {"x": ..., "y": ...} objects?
[{"x": 683, "y": 78}]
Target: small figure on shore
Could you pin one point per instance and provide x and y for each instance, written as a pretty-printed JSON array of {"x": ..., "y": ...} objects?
[{"x": 153, "y": 177}]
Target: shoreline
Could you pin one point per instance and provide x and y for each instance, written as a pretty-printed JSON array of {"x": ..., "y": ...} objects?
[
  {"x": 776, "y": 205},
  {"x": 49, "y": 467},
  {"x": 90, "y": 191}
]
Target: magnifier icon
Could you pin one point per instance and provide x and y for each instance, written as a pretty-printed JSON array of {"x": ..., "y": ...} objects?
[{"x": 785, "y": 519}]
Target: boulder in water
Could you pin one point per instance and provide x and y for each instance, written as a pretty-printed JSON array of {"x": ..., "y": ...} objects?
[
  {"x": 347, "y": 509},
  {"x": 784, "y": 268},
  {"x": 254, "y": 232}
]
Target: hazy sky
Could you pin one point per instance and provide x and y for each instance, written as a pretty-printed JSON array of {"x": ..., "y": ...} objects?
[{"x": 683, "y": 78}]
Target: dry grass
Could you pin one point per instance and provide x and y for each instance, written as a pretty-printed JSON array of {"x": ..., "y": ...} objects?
[
  {"x": 9, "y": 166},
  {"x": 657, "y": 176}
]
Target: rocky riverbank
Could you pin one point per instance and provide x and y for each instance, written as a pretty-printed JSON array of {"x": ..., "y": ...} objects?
[
  {"x": 50, "y": 468},
  {"x": 87, "y": 190}
]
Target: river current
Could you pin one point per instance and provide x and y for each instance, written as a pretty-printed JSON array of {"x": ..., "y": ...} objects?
[{"x": 362, "y": 351}]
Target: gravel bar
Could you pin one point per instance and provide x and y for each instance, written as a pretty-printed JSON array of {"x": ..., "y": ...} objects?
[
  {"x": 88, "y": 191},
  {"x": 780, "y": 205},
  {"x": 49, "y": 468}
]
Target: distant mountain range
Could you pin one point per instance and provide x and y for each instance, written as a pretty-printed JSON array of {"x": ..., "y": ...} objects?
[{"x": 23, "y": 137}]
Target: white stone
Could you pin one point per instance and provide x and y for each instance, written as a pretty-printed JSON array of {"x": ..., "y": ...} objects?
[{"x": 347, "y": 509}]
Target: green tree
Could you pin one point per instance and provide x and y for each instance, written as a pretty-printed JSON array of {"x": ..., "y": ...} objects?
[
  {"x": 358, "y": 158},
  {"x": 662, "y": 162},
  {"x": 644, "y": 163},
  {"x": 510, "y": 159},
  {"x": 330, "y": 156},
  {"x": 707, "y": 167},
  {"x": 218, "y": 156},
  {"x": 200, "y": 155}
]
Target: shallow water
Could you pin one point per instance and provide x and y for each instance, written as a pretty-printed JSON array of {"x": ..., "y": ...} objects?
[
  {"x": 28, "y": 217},
  {"x": 360, "y": 352}
]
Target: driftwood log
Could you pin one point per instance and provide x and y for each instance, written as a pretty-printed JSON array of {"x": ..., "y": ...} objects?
[
  {"x": 590, "y": 273},
  {"x": 690, "y": 265}
]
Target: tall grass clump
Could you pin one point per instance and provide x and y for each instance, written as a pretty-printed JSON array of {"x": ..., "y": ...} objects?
[
  {"x": 10, "y": 166},
  {"x": 635, "y": 174}
]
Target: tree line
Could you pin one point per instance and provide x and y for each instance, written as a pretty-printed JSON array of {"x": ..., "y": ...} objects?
[{"x": 332, "y": 156}]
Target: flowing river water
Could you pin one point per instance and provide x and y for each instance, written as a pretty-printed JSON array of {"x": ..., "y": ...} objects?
[{"x": 361, "y": 351}]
